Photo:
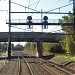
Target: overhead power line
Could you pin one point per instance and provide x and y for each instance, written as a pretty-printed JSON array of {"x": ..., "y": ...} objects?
[
  {"x": 33, "y": 3},
  {"x": 60, "y": 7},
  {"x": 37, "y": 4},
  {"x": 24, "y": 6},
  {"x": 20, "y": 28},
  {"x": 47, "y": 11},
  {"x": 28, "y": 5},
  {"x": 4, "y": 10}
]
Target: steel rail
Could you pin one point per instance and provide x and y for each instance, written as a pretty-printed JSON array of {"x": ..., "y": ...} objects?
[
  {"x": 48, "y": 70},
  {"x": 58, "y": 67},
  {"x": 28, "y": 66},
  {"x": 19, "y": 66},
  {"x": 61, "y": 69}
]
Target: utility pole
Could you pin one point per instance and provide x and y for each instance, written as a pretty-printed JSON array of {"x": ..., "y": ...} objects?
[
  {"x": 74, "y": 14},
  {"x": 41, "y": 21},
  {"x": 9, "y": 35}
]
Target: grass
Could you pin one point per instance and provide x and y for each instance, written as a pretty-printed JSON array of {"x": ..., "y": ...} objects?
[
  {"x": 65, "y": 58},
  {"x": 56, "y": 56},
  {"x": 72, "y": 59},
  {"x": 29, "y": 52}
]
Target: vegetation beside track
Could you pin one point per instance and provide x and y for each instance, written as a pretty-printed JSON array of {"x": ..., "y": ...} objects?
[{"x": 64, "y": 58}]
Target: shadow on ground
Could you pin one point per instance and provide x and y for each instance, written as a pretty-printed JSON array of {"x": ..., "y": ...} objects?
[
  {"x": 14, "y": 57},
  {"x": 48, "y": 57}
]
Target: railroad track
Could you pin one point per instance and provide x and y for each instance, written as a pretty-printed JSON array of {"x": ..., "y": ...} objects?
[
  {"x": 60, "y": 67},
  {"x": 24, "y": 68},
  {"x": 36, "y": 66},
  {"x": 32, "y": 66},
  {"x": 47, "y": 65}
]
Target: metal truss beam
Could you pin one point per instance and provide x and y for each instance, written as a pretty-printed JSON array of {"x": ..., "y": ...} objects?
[
  {"x": 64, "y": 24},
  {"x": 44, "y": 12}
]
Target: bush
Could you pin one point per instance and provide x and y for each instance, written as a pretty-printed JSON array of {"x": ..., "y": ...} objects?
[{"x": 57, "y": 49}]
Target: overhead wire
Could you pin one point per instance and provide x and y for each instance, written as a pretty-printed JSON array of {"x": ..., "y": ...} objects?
[
  {"x": 24, "y": 6},
  {"x": 47, "y": 11},
  {"x": 28, "y": 7},
  {"x": 52, "y": 5},
  {"x": 56, "y": 9},
  {"x": 33, "y": 3},
  {"x": 60, "y": 7},
  {"x": 37, "y": 4},
  {"x": 52, "y": 10},
  {"x": 4, "y": 10},
  {"x": 29, "y": 4},
  {"x": 21, "y": 28}
]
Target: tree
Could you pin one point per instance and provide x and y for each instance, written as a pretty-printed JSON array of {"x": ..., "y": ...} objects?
[
  {"x": 57, "y": 48},
  {"x": 69, "y": 30},
  {"x": 19, "y": 47}
]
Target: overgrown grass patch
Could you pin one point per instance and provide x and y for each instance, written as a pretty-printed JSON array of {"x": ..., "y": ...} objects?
[
  {"x": 65, "y": 58},
  {"x": 29, "y": 52}
]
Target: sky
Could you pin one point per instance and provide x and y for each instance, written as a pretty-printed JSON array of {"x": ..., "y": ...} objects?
[{"x": 39, "y": 5}]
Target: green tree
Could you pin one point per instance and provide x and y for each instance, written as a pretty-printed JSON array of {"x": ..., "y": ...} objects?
[{"x": 69, "y": 30}]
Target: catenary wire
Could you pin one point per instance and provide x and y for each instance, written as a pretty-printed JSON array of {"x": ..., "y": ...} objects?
[
  {"x": 24, "y": 6},
  {"x": 21, "y": 28},
  {"x": 33, "y": 3},
  {"x": 51, "y": 10},
  {"x": 28, "y": 7},
  {"x": 37, "y": 4},
  {"x": 60, "y": 7},
  {"x": 52, "y": 5}
]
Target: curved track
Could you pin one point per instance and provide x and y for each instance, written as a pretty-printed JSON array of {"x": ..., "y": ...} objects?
[{"x": 38, "y": 66}]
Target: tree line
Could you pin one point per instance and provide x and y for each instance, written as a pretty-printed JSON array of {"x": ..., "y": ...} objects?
[{"x": 4, "y": 46}]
